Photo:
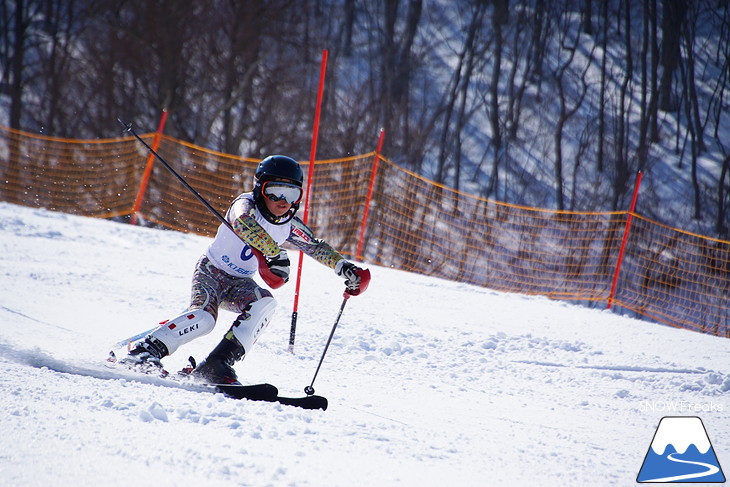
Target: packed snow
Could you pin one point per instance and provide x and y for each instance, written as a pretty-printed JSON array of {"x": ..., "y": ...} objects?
[{"x": 429, "y": 382}]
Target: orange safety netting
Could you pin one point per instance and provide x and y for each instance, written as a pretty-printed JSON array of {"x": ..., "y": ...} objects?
[
  {"x": 666, "y": 275},
  {"x": 88, "y": 177},
  {"x": 676, "y": 277}
]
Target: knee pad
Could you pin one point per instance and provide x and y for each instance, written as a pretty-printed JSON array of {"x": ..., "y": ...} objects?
[
  {"x": 250, "y": 324},
  {"x": 184, "y": 328}
]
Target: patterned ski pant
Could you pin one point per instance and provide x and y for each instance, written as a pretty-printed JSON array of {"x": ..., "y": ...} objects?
[{"x": 213, "y": 289}]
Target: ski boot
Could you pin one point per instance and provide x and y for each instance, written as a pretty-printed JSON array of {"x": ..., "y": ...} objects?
[
  {"x": 217, "y": 368},
  {"x": 146, "y": 356}
]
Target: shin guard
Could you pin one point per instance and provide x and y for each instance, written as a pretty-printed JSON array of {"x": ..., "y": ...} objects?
[
  {"x": 184, "y": 328},
  {"x": 248, "y": 326}
]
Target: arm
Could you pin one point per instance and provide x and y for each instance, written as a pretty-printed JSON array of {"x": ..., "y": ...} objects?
[
  {"x": 303, "y": 238},
  {"x": 356, "y": 279},
  {"x": 273, "y": 263},
  {"x": 246, "y": 227}
]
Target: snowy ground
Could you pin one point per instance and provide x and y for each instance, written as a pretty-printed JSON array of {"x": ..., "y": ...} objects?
[{"x": 429, "y": 382}]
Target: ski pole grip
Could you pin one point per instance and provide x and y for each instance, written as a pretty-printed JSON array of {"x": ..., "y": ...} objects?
[
  {"x": 364, "y": 282},
  {"x": 271, "y": 279}
]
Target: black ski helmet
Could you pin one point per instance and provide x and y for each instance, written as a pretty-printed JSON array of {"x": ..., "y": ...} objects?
[
  {"x": 275, "y": 167},
  {"x": 278, "y": 168}
]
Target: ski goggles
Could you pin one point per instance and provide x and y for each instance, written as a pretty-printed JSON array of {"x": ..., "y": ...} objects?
[{"x": 278, "y": 191}]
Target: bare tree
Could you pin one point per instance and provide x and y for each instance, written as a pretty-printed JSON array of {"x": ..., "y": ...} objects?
[
  {"x": 499, "y": 18},
  {"x": 621, "y": 176},
  {"x": 15, "y": 78},
  {"x": 585, "y": 17},
  {"x": 396, "y": 65},
  {"x": 566, "y": 89},
  {"x": 688, "y": 36},
  {"x": 454, "y": 118},
  {"x": 673, "y": 16},
  {"x": 538, "y": 44},
  {"x": 519, "y": 79},
  {"x": 653, "y": 118},
  {"x": 240, "y": 76},
  {"x": 645, "y": 114},
  {"x": 602, "y": 90},
  {"x": 723, "y": 190}
]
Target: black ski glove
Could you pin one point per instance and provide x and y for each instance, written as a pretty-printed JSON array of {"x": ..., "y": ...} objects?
[
  {"x": 352, "y": 275},
  {"x": 279, "y": 265}
]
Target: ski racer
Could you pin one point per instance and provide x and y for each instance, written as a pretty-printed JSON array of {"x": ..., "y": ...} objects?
[{"x": 263, "y": 220}]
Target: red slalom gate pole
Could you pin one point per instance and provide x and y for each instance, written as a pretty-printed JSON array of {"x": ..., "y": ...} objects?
[
  {"x": 627, "y": 229},
  {"x": 148, "y": 168},
  {"x": 310, "y": 179},
  {"x": 366, "y": 211}
]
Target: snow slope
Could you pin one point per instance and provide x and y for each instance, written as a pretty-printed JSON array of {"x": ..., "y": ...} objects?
[{"x": 429, "y": 382}]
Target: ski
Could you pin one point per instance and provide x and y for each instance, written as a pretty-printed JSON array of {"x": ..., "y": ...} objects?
[
  {"x": 269, "y": 393},
  {"x": 252, "y": 392},
  {"x": 306, "y": 402}
]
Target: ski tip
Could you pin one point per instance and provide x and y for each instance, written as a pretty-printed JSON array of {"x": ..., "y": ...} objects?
[
  {"x": 307, "y": 402},
  {"x": 269, "y": 393},
  {"x": 321, "y": 403},
  {"x": 254, "y": 392}
]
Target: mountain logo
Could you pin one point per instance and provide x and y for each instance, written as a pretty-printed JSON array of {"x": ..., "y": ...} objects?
[{"x": 680, "y": 452}]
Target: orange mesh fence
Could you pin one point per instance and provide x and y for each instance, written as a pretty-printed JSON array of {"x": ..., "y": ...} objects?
[
  {"x": 96, "y": 178},
  {"x": 424, "y": 227},
  {"x": 338, "y": 191},
  {"x": 676, "y": 277},
  {"x": 216, "y": 176},
  {"x": 667, "y": 275}
]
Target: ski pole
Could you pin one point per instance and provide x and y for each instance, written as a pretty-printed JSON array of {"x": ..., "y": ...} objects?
[
  {"x": 174, "y": 173},
  {"x": 364, "y": 276},
  {"x": 271, "y": 279},
  {"x": 309, "y": 390}
]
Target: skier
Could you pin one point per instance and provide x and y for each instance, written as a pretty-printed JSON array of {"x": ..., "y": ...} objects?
[{"x": 263, "y": 220}]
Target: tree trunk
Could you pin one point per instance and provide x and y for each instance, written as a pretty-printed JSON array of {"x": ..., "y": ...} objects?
[
  {"x": 654, "y": 100},
  {"x": 12, "y": 174},
  {"x": 643, "y": 149},
  {"x": 602, "y": 96},
  {"x": 723, "y": 191},
  {"x": 674, "y": 12},
  {"x": 497, "y": 21}
]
